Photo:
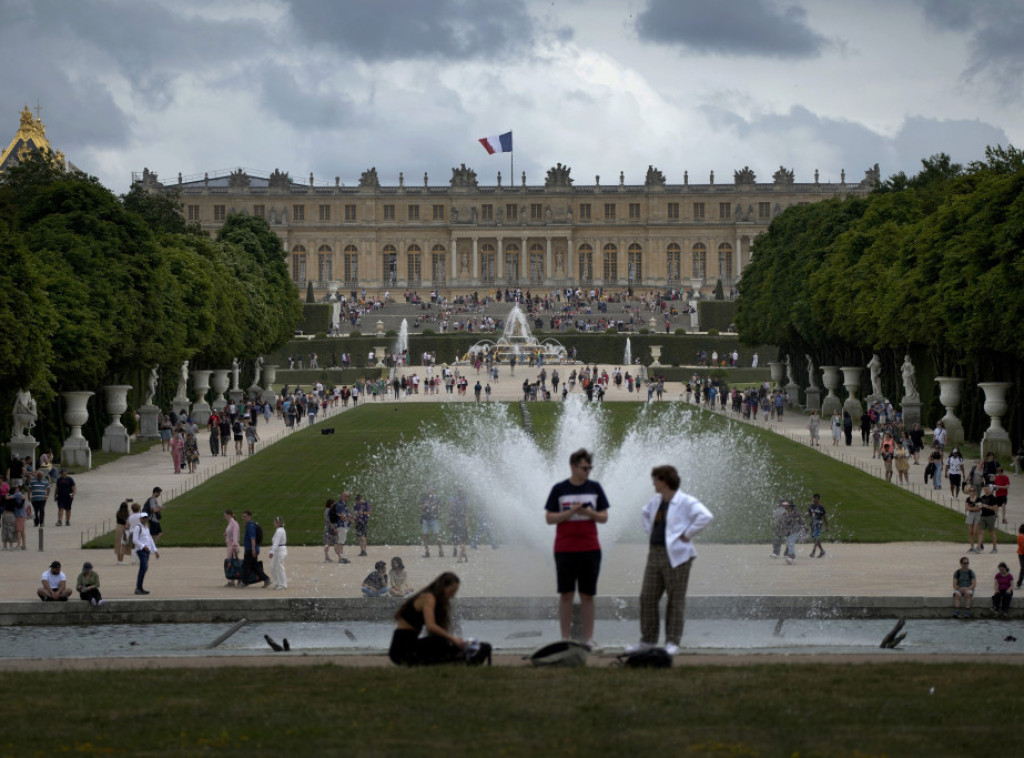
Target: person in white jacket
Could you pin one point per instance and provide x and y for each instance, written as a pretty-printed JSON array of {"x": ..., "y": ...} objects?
[
  {"x": 278, "y": 552},
  {"x": 671, "y": 518}
]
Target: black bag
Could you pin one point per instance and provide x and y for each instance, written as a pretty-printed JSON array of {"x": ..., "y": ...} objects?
[
  {"x": 652, "y": 658},
  {"x": 259, "y": 535},
  {"x": 477, "y": 652},
  {"x": 233, "y": 569},
  {"x": 567, "y": 653}
]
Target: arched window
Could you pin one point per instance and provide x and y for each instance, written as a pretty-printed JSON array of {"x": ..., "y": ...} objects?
[
  {"x": 673, "y": 262},
  {"x": 725, "y": 261},
  {"x": 438, "y": 264},
  {"x": 700, "y": 261},
  {"x": 324, "y": 263},
  {"x": 487, "y": 263},
  {"x": 298, "y": 263},
  {"x": 512, "y": 263},
  {"x": 611, "y": 263},
  {"x": 536, "y": 263},
  {"x": 414, "y": 265},
  {"x": 389, "y": 259},
  {"x": 635, "y": 272},
  {"x": 351, "y": 260},
  {"x": 586, "y": 267}
]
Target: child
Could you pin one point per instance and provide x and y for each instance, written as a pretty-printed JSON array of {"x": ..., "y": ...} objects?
[
  {"x": 816, "y": 515},
  {"x": 1004, "y": 590}
]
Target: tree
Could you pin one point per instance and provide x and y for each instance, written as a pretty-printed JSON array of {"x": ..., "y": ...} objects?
[{"x": 310, "y": 298}]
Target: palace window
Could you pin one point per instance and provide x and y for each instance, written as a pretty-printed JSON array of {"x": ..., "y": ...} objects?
[
  {"x": 725, "y": 260},
  {"x": 259, "y": 211},
  {"x": 698, "y": 211},
  {"x": 350, "y": 212},
  {"x": 325, "y": 263},
  {"x": 193, "y": 213},
  {"x": 438, "y": 264},
  {"x": 609, "y": 211},
  {"x": 536, "y": 263},
  {"x": 218, "y": 213},
  {"x": 298, "y": 263},
  {"x": 584, "y": 211},
  {"x": 634, "y": 210},
  {"x": 351, "y": 260},
  {"x": 673, "y": 210},
  {"x": 700, "y": 261},
  {"x": 298, "y": 213},
  {"x": 487, "y": 258},
  {"x": 764, "y": 210},
  {"x": 536, "y": 211},
  {"x": 512, "y": 263},
  {"x": 673, "y": 256},
  {"x": 586, "y": 261},
  {"x": 414, "y": 265},
  {"x": 635, "y": 271},
  {"x": 724, "y": 210},
  {"x": 487, "y": 212},
  {"x": 438, "y": 213},
  {"x": 414, "y": 213},
  {"x": 325, "y": 213},
  {"x": 389, "y": 260},
  {"x": 611, "y": 263},
  {"x": 512, "y": 212},
  {"x": 389, "y": 212}
]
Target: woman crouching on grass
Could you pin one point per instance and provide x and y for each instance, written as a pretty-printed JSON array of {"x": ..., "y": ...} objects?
[{"x": 430, "y": 608}]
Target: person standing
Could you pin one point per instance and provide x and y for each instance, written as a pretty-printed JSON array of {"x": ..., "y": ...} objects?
[
  {"x": 814, "y": 427},
  {"x": 251, "y": 437},
  {"x": 576, "y": 506},
  {"x": 154, "y": 509},
  {"x": 55, "y": 585},
  {"x": 177, "y": 450},
  {"x": 251, "y": 553},
  {"x": 144, "y": 547},
  {"x": 972, "y": 509},
  {"x": 964, "y": 584},
  {"x": 88, "y": 585},
  {"x": 430, "y": 511},
  {"x": 38, "y": 494},
  {"x": 671, "y": 519},
  {"x": 231, "y": 540},
  {"x": 987, "y": 522},
  {"x": 65, "y": 490},
  {"x": 1001, "y": 490},
  {"x": 818, "y": 518},
  {"x": 788, "y": 525},
  {"x": 278, "y": 552},
  {"x": 121, "y": 532}
]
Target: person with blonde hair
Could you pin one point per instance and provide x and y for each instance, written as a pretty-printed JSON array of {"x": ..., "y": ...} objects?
[{"x": 278, "y": 552}]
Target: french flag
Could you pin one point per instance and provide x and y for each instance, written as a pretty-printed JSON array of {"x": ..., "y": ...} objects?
[{"x": 500, "y": 144}]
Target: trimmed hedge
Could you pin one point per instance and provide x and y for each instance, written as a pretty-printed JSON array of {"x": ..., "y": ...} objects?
[
  {"x": 716, "y": 314},
  {"x": 316, "y": 319}
]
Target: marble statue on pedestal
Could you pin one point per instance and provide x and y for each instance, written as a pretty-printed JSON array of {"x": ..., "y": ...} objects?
[
  {"x": 24, "y": 414},
  {"x": 259, "y": 372},
  {"x": 810, "y": 371},
  {"x": 234, "y": 374},
  {"x": 789, "y": 371},
  {"x": 875, "y": 367},
  {"x": 154, "y": 378},
  {"x": 909, "y": 378},
  {"x": 182, "y": 381}
]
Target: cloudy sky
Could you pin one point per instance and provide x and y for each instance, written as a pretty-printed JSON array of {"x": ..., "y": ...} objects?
[{"x": 333, "y": 87}]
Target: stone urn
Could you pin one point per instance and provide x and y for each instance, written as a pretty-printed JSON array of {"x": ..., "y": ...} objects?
[
  {"x": 778, "y": 370},
  {"x": 201, "y": 385},
  {"x": 269, "y": 377},
  {"x": 220, "y": 383},
  {"x": 950, "y": 392},
  {"x": 655, "y": 355},
  {"x": 380, "y": 329},
  {"x": 75, "y": 450},
  {"x": 830, "y": 378},
  {"x": 996, "y": 440},
  {"x": 851, "y": 381},
  {"x": 381, "y": 353},
  {"x": 115, "y": 436}
]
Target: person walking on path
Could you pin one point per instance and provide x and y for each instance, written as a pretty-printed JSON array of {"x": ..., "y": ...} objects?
[
  {"x": 814, "y": 427},
  {"x": 973, "y": 510},
  {"x": 818, "y": 518},
  {"x": 177, "y": 450},
  {"x": 251, "y": 554},
  {"x": 671, "y": 519},
  {"x": 65, "y": 490},
  {"x": 964, "y": 584},
  {"x": 278, "y": 552},
  {"x": 430, "y": 512},
  {"x": 231, "y": 540},
  {"x": 144, "y": 547},
  {"x": 989, "y": 513},
  {"x": 38, "y": 494},
  {"x": 788, "y": 526},
  {"x": 576, "y": 506}
]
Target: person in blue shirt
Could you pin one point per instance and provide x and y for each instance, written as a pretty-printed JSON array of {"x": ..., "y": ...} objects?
[{"x": 250, "y": 561}]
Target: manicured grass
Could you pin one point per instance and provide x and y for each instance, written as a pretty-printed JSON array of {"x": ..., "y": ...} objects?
[
  {"x": 294, "y": 477},
  {"x": 897, "y": 709}
]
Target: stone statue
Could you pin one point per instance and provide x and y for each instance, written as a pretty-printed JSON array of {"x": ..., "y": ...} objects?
[
  {"x": 154, "y": 377},
  {"x": 455, "y": 214},
  {"x": 909, "y": 378},
  {"x": 464, "y": 261},
  {"x": 24, "y": 414},
  {"x": 783, "y": 177},
  {"x": 559, "y": 260},
  {"x": 182, "y": 380},
  {"x": 547, "y": 214},
  {"x": 654, "y": 178},
  {"x": 789, "y": 371},
  {"x": 875, "y": 367},
  {"x": 558, "y": 176},
  {"x": 744, "y": 175},
  {"x": 234, "y": 374},
  {"x": 812, "y": 378},
  {"x": 259, "y": 372}
]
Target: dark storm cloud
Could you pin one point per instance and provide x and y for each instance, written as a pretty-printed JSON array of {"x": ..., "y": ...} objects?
[
  {"x": 410, "y": 29},
  {"x": 735, "y": 29}
]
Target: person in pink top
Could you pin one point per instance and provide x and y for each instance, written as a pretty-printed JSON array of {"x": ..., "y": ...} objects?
[
  {"x": 1003, "y": 585},
  {"x": 177, "y": 448}
]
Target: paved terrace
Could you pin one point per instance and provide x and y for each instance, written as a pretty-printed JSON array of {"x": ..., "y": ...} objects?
[{"x": 890, "y": 576}]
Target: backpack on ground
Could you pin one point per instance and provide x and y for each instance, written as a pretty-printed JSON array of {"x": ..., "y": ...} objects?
[
  {"x": 567, "y": 653},
  {"x": 652, "y": 658}
]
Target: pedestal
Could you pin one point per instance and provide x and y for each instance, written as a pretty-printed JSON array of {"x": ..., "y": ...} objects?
[
  {"x": 812, "y": 399},
  {"x": 793, "y": 392},
  {"x": 115, "y": 436},
  {"x": 181, "y": 406},
  {"x": 201, "y": 413},
  {"x": 910, "y": 407},
  {"x": 236, "y": 396},
  {"x": 24, "y": 447},
  {"x": 996, "y": 440},
  {"x": 149, "y": 422}
]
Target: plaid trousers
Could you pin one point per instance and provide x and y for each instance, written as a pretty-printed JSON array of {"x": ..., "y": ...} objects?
[{"x": 660, "y": 578}]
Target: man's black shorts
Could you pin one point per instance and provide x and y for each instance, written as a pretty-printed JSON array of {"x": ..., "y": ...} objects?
[{"x": 578, "y": 570}]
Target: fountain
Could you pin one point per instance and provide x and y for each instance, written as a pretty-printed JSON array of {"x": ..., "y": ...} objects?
[
  {"x": 402, "y": 343},
  {"x": 627, "y": 357},
  {"x": 517, "y": 340}
]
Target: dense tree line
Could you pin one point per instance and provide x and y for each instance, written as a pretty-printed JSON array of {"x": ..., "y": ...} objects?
[
  {"x": 929, "y": 265},
  {"x": 98, "y": 289}
]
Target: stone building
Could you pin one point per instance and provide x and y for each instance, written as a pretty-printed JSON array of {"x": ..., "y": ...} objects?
[{"x": 464, "y": 236}]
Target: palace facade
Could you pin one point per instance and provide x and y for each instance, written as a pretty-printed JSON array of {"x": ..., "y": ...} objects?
[{"x": 464, "y": 236}]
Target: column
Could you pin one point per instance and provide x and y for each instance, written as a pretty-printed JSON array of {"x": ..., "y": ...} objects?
[
  {"x": 476, "y": 262},
  {"x": 738, "y": 268},
  {"x": 453, "y": 261},
  {"x": 499, "y": 265},
  {"x": 548, "y": 271},
  {"x": 524, "y": 263},
  {"x": 568, "y": 258}
]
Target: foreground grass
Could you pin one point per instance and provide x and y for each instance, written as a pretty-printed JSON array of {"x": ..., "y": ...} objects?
[
  {"x": 294, "y": 477},
  {"x": 895, "y": 709}
]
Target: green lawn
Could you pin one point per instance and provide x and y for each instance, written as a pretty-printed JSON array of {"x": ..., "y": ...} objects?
[
  {"x": 894, "y": 709},
  {"x": 294, "y": 477}
]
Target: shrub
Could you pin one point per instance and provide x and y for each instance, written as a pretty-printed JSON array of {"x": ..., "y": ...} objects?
[
  {"x": 680, "y": 331},
  {"x": 712, "y": 332},
  {"x": 355, "y": 333},
  {"x": 644, "y": 330},
  {"x": 611, "y": 330},
  {"x": 390, "y": 333},
  {"x": 429, "y": 332}
]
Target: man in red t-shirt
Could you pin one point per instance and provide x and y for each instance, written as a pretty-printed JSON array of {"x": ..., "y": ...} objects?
[
  {"x": 1002, "y": 489},
  {"x": 577, "y": 505}
]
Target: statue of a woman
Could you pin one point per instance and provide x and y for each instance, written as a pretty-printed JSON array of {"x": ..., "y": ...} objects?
[
  {"x": 789, "y": 371},
  {"x": 154, "y": 377},
  {"x": 182, "y": 381},
  {"x": 234, "y": 373},
  {"x": 875, "y": 366},
  {"x": 909, "y": 378},
  {"x": 259, "y": 372},
  {"x": 810, "y": 371}
]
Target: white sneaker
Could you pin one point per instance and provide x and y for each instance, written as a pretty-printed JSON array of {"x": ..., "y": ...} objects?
[
  {"x": 100, "y": 602},
  {"x": 594, "y": 645},
  {"x": 638, "y": 648},
  {"x": 672, "y": 648},
  {"x": 790, "y": 560}
]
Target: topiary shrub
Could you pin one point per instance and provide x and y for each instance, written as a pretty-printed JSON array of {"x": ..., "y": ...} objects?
[
  {"x": 712, "y": 332},
  {"x": 355, "y": 333},
  {"x": 680, "y": 331}
]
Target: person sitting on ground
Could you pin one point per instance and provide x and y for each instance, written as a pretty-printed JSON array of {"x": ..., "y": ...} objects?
[
  {"x": 964, "y": 584},
  {"x": 400, "y": 586},
  {"x": 1004, "y": 591},
  {"x": 55, "y": 585},
  {"x": 88, "y": 585},
  {"x": 376, "y": 582},
  {"x": 430, "y": 608}
]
